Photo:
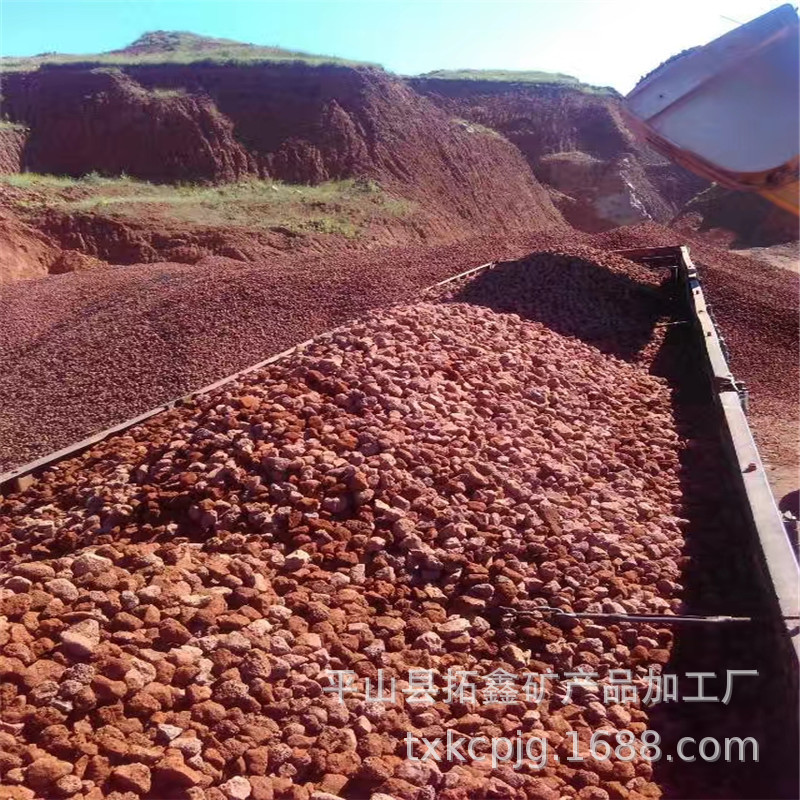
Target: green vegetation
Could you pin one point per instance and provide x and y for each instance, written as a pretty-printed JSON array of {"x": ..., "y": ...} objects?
[
  {"x": 342, "y": 207},
  {"x": 176, "y": 47},
  {"x": 8, "y": 125},
  {"x": 507, "y": 75},
  {"x": 513, "y": 76}
]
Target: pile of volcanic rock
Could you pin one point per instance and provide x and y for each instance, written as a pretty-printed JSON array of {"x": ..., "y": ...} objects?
[
  {"x": 582, "y": 292},
  {"x": 176, "y": 603}
]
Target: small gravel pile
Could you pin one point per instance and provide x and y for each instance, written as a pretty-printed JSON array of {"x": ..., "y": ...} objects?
[
  {"x": 582, "y": 292},
  {"x": 175, "y": 597}
]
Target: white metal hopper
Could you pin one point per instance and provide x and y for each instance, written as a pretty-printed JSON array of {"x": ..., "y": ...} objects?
[{"x": 730, "y": 110}]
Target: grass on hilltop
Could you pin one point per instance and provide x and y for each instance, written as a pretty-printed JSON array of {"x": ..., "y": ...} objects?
[
  {"x": 337, "y": 207},
  {"x": 513, "y": 76},
  {"x": 176, "y": 47},
  {"x": 8, "y": 125}
]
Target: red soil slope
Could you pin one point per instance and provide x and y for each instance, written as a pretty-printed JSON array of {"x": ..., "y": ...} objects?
[
  {"x": 744, "y": 219},
  {"x": 294, "y": 122},
  {"x": 24, "y": 251},
  {"x": 557, "y": 128},
  {"x": 101, "y": 120},
  {"x": 12, "y": 143}
]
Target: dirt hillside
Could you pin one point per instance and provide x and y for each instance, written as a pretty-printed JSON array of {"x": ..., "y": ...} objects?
[
  {"x": 740, "y": 219},
  {"x": 293, "y": 122},
  {"x": 576, "y": 141},
  {"x": 24, "y": 251},
  {"x": 12, "y": 143},
  {"x": 100, "y": 120}
]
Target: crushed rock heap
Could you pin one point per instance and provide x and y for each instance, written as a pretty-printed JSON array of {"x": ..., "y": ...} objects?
[{"x": 174, "y": 601}]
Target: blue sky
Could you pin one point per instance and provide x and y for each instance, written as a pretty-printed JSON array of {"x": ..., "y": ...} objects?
[{"x": 605, "y": 42}]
